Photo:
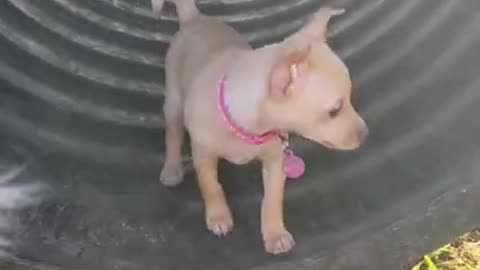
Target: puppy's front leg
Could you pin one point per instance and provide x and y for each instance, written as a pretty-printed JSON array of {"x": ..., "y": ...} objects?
[
  {"x": 217, "y": 213},
  {"x": 276, "y": 238}
]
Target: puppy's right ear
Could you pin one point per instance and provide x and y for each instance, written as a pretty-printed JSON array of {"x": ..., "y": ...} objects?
[
  {"x": 157, "y": 6},
  {"x": 316, "y": 28},
  {"x": 288, "y": 68}
]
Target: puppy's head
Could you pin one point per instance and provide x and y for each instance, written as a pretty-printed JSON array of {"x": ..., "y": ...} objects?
[{"x": 310, "y": 87}]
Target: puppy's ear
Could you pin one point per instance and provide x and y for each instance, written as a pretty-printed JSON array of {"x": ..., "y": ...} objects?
[
  {"x": 288, "y": 68},
  {"x": 316, "y": 27},
  {"x": 157, "y": 6}
]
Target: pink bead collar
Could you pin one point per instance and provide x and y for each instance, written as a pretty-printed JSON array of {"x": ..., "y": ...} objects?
[{"x": 293, "y": 166}]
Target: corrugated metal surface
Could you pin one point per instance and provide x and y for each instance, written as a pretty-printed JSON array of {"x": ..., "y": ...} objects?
[{"x": 85, "y": 78}]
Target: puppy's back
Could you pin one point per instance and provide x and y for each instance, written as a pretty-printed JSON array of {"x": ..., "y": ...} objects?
[{"x": 197, "y": 43}]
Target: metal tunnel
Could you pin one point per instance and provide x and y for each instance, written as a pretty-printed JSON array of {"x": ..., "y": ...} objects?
[{"x": 81, "y": 94}]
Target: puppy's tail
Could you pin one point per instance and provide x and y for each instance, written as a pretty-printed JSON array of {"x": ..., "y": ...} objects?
[{"x": 186, "y": 9}]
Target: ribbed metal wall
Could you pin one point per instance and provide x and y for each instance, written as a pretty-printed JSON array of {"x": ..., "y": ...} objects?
[{"x": 85, "y": 77}]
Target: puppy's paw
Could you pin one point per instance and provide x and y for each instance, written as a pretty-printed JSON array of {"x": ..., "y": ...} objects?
[
  {"x": 278, "y": 242},
  {"x": 171, "y": 175},
  {"x": 219, "y": 220}
]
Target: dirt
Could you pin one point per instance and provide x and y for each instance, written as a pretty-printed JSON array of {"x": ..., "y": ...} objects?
[{"x": 461, "y": 254}]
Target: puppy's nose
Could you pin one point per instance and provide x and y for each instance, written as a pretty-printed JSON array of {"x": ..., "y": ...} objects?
[{"x": 363, "y": 134}]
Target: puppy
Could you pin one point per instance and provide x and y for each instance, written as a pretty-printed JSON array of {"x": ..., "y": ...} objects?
[{"x": 240, "y": 103}]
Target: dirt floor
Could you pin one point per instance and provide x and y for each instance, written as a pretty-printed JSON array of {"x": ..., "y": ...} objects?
[{"x": 462, "y": 254}]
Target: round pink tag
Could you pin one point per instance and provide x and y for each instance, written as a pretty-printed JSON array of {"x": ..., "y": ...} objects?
[{"x": 293, "y": 166}]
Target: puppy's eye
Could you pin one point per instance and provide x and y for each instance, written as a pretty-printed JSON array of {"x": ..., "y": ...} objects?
[{"x": 335, "y": 111}]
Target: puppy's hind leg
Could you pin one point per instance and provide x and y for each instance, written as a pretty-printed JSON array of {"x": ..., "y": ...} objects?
[{"x": 173, "y": 171}]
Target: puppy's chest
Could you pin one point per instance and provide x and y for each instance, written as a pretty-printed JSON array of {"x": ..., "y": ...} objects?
[{"x": 239, "y": 152}]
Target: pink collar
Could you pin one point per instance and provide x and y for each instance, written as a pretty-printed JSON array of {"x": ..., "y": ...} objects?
[{"x": 237, "y": 130}]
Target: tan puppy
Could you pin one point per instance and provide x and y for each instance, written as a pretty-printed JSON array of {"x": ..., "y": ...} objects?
[{"x": 298, "y": 86}]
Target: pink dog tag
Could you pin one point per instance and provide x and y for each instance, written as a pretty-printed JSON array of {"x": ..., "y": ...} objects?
[{"x": 293, "y": 166}]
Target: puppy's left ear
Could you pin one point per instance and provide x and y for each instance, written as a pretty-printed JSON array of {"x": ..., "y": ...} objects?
[
  {"x": 316, "y": 27},
  {"x": 287, "y": 69}
]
